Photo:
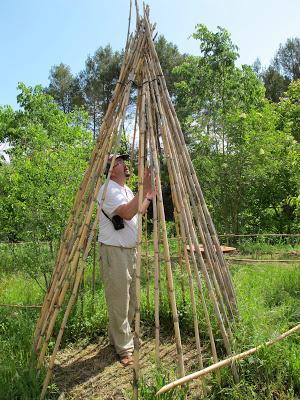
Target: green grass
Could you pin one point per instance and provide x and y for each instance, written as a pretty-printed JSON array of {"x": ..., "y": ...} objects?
[
  {"x": 257, "y": 247},
  {"x": 268, "y": 299},
  {"x": 269, "y": 304}
]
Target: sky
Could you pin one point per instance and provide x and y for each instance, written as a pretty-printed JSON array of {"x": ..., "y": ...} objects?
[{"x": 35, "y": 34}]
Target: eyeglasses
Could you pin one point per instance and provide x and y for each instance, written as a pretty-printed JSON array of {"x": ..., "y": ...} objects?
[{"x": 119, "y": 162}]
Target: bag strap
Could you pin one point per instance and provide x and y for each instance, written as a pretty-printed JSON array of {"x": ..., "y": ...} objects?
[{"x": 106, "y": 215}]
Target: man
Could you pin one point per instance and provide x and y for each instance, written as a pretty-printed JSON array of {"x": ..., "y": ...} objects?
[{"x": 118, "y": 253}]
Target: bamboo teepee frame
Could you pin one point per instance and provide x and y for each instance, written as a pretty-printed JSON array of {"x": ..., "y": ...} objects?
[{"x": 157, "y": 127}]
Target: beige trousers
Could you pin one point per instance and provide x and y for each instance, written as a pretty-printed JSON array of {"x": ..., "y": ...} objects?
[{"x": 118, "y": 273}]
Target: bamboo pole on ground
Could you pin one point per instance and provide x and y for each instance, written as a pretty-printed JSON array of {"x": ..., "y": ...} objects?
[{"x": 227, "y": 361}]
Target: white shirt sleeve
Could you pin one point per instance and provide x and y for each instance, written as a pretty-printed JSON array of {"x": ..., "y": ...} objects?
[{"x": 113, "y": 199}]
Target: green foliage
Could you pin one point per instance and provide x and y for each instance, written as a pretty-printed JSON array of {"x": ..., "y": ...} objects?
[
  {"x": 169, "y": 58},
  {"x": 157, "y": 378},
  {"x": 289, "y": 110},
  {"x": 64, "y": 88},
  {"x": 287, "y": 59},
  {"x": 34, "y": 260},
  {"x": 268, "y": 300},
  {"x": 284, "y": 69},
  {"x": 275, "y": 83},
  {"x": 97, "y": 82},
  {"x": 48, "y": 154},
  {"x": 18, "y": 377},
  {"x": 88, "y": 319},
  {"x": 246, "y": 163},
  {"x": 268, "y": 305}
]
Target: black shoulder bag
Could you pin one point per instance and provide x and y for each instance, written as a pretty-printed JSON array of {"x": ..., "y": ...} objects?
[{"x": 116, "y": 220}]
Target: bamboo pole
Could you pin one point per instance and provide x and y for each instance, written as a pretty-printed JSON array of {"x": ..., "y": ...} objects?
[
  {"x": 94, "y": 272},
  {"x": 73, "y": 265},
  {"x": 156, "y": 269},
  {"x": 58, "y": 290},
  {"x": 175, "y": 185},
  {"x": 21, "y": 305},
  {"x": 129, "y": 20},
  {"x": 75, "y": 288},
  {"x": 136, "y": 370},
  {"x": 109, "y": 114},
  {"x": 100, "y": 130},
  {"x": 194, "y": 242},
  {"x": 134, "y": 131},
  {"x": 59, "y": 275},
  {"x": 83, "y": 226},
  {"x": 189, "y": 225},
  {"x": 190, "y": 222},
  {"x": 227, "y": 361},
  {"x": 165, "y": 241},
  {"x": 213, "y": 270},
  {"x": 175, "y": 201},
  {"x": 147, "y": 261},
  {"x": 179, "y": 239},
  {"x": 177, "y": 130}
]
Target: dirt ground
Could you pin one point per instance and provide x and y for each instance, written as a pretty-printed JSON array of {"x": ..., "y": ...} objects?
[{"x": 94, "y": 372}]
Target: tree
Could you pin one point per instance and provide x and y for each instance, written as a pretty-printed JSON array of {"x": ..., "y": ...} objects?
[
  {"x": 289, "y": 109},
  {"x": 287, "y": 59},
  {"x": 169, "y": 57},
  {"x": 64, "y": 88},
  {"x": 97, "y": 82},
  {"x": 284, "y": 68},
  {"x": 275, "y": 83},
  {"x": 244, "y": 162},
  {"x": 48, "y": 154}
]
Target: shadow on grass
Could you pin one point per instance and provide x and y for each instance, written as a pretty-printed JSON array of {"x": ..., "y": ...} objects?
[{"x": 79, "y": 371}]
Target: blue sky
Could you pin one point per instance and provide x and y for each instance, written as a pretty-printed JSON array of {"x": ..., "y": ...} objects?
[{"x": 36, "y": 35}]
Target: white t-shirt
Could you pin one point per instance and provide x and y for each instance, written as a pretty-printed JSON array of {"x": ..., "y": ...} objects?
[{"x": 116, "y": 195}]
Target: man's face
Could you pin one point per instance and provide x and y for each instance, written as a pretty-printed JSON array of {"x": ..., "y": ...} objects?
[{"x": 120, "y": 168}]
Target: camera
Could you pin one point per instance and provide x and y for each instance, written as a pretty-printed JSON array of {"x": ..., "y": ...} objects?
[{"x": 118, "y": 222}]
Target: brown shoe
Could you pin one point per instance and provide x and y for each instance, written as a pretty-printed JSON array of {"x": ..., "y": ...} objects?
[{"x": 126, "y": 360}]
